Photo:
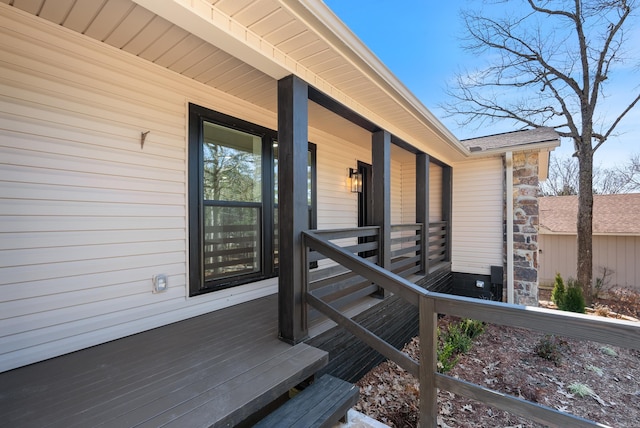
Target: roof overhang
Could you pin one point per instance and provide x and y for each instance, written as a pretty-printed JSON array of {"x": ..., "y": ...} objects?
[
  {"x": 205, "y": 20},
  {"x": 328, "y": 26},
  {"x": 545, "y": 146},
  {"x": 237, "y": 46}
]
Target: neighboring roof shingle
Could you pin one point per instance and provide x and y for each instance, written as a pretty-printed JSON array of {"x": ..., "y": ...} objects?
[
  {"x": 612, "y": 214},
  {"x": 512, "y": 139}
]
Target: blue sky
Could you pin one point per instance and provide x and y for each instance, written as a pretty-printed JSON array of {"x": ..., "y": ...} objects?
[{"x": 419, "y": 41}]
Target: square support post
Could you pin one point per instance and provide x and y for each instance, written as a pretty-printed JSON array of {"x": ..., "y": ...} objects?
[
  {"x": 293, "y": 94},
  {"x": 381, "y": 184},
  {"x": 422, "y": 207},
  {"x": 428, "y": 363},
  {"x": 447, "y": 204}
]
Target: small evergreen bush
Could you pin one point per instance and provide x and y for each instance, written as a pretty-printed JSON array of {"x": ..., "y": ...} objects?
[
  {"x": 569, "y": 297},
  {"x": 573, "y": 299},
  {"x": 558, "y": 290},
  {"x": 456, "y": 340}
]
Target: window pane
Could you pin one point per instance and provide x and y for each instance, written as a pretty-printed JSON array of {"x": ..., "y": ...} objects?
[
  {"x": 232, "y": 241},
  {"x": 232, "y": 166}
]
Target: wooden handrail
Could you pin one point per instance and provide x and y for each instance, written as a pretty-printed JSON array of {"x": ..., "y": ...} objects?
[
  {"x": 614, "y": 332},
  {"x": 364, "y": 268}
]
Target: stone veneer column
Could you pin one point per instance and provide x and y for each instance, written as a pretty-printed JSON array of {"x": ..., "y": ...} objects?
[{"x": 525, "y": 228}]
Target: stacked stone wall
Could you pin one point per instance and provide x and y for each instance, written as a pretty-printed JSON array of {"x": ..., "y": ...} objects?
[{"x": 525, "y": 227}]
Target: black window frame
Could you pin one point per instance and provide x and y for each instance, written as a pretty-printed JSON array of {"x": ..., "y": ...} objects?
[{"x": 197, "y": 117}]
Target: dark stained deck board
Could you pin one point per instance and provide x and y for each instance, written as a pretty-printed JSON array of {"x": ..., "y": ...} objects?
[
  {"x": 150, "y": 365},
  {"x": 321, "y": 404},
  {"x": 217, "y": 367},
  {"x": 154, "y": 354}
]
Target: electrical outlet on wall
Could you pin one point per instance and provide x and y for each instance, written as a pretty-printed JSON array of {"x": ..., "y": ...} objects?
[{"x": 160, "y": 283}]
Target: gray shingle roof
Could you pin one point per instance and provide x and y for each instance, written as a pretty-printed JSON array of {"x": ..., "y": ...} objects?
[
  {"x": 612, "y": 214},
  {"x": 512, "y": 139}
]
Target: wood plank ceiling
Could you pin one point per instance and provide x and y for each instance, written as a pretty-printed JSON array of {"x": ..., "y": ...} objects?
[{"x": 132, "y": 28}]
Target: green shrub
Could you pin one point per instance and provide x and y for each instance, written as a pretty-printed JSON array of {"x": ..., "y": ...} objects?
[
  {"x": 558, "y": 290},
  {"x": 472, "y": 328},
  {"x": 572, "y": 299},
  {"x": 447, "y": 357},
  {"x": 456, "y": 340},
  {"x": 551, "y": 348},
  {"x": 569, "y": 297}
]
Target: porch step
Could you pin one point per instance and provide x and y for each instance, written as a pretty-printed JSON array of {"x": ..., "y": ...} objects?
[
  {"x": 212, "y": 370},
  {"x": 321, "y": 404}
]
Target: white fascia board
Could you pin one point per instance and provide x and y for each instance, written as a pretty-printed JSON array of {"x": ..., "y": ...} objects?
[
  {"x": 204, "y": 20},
  {"x": 543, "y": 146},
  {"x": 328, "y": 26}
]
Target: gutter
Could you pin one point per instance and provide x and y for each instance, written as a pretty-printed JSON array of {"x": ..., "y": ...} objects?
[{"x": 508, "y": 156}]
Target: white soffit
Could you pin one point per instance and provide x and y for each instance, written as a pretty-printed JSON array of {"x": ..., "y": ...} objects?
[
  {"x": 305, "y": 38},
  {"x": 343, "y": 40},
  {"x": 204, "y": 20},
  {"x": 243, "y": 46}
]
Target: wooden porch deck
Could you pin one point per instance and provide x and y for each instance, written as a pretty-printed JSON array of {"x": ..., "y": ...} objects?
[{"x": 211, "y": 370}]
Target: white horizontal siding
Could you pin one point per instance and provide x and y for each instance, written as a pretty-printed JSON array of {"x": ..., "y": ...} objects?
[
  {"x": 435, "y": 192},
  {"x": 87, "y": 216},
  {"x": 408, "y": 193},
  {"x": 477, "y": 217},
  {"x": 397, "y": 194},
  {"x": 337, "y": 206}
]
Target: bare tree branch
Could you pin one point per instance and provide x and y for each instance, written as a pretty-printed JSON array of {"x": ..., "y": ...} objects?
[
  {"x": 563, "y": 178},
  {"x": 551, "y": 62},
  {"x": 618, "y": 119}
]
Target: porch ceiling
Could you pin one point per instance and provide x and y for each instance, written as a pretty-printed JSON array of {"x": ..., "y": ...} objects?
[{"x": 305, "y": 33}]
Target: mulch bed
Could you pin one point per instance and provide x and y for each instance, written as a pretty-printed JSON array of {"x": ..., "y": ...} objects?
[{"x": 504, "y": 359}]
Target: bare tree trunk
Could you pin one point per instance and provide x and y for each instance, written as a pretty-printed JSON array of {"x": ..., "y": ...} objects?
[{"x": 585, "y": 218}]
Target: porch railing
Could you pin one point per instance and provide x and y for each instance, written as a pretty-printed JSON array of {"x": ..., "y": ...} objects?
[
  {"x": 613, "y": 332},
  {"x": 406, "y": 255},
  {"x": 438, "y": 241},
  {"x": 338, "y": 285}
]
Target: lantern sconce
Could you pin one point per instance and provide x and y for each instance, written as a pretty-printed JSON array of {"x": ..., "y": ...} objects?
[{"x": 356, "y": 180}]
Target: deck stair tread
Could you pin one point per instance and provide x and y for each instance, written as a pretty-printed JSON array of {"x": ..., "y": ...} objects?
[{"x": 321, "y": 404}]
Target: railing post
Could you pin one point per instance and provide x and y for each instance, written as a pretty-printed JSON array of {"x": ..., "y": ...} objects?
[{"x": 428, "y": 363}]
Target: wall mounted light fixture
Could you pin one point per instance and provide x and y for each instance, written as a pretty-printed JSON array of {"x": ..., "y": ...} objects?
[{"x": 356, "y": 180}]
